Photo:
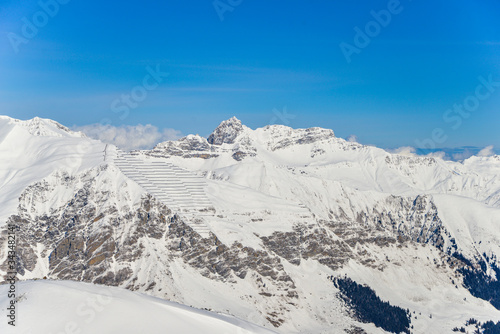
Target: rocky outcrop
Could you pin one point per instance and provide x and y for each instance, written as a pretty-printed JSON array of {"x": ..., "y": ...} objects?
[
  {"x": 192, "y": 146},
  {"x": 226, "y": 132},
  {"x": 333, "y": 243},
  {"x": 283, "y": 136}
]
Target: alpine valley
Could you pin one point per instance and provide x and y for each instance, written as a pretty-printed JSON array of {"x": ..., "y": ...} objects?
[{"x": 293, "y": 230}]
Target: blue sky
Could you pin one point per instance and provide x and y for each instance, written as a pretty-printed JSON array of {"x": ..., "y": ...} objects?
[{"x": 262, "y": 58}]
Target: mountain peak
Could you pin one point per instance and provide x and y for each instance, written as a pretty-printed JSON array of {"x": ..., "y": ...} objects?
[
  {"x": 226, "y": 132},
  {"x": 42, "y": 127}
]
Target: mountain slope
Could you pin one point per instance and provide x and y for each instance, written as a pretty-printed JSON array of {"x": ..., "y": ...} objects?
[
  {"x": 289, "y": 210},
  {"x": 333, "y": 177},
  {"x": 31, "y": 150},
  {"x": 63, "y": 307}
]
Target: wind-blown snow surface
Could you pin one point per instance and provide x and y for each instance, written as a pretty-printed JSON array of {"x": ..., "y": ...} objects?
[
  {"x": 291, "y": 207},
  {"x": 46, "y": 307}
]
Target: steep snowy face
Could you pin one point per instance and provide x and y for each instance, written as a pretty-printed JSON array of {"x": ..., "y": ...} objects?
[{"x": 31, "y": 150}]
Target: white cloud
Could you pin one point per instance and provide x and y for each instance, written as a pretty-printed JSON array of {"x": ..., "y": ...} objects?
[
  {"x": 129, "y": 137},
  {"x": 457, "y": 154},
  {"x": 352, "y": 139},
  {"x": 437, "y": 154},
  {"x": 466, "y": 154},
  {"x": 405, "y": 150},
  {"x": 486, "y": 152}
]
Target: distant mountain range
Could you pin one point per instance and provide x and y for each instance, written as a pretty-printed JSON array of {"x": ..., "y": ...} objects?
[{"x": 295, "y": 230}]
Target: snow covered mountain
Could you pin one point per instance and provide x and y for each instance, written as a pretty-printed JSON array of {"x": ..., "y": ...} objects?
[{"x": 290, "y": 229}]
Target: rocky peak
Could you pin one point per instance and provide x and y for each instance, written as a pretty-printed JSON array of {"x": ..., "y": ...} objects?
[{"x": 226, "y": 132}]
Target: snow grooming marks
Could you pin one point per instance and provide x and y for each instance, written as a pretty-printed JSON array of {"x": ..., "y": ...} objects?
[{"x": 180, "y": 190}]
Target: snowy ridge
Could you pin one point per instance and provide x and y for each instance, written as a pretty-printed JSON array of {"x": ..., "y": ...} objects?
[
  {"x": 42, "y": 127},
  {"x": 34, "y": 149}
]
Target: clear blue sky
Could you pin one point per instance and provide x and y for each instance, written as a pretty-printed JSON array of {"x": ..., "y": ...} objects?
[{"x": 263, "y": 55}]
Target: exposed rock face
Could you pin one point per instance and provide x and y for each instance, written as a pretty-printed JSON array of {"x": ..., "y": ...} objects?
[
  {"x": 283, "y": 136},
  {"x": 194, "y": 146},
  {"x": 240, "y": 143},
  {"x": 226, "y": 132},
  {"x": 188, "y": 147},
  {"x": 415, "y": 221}
]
